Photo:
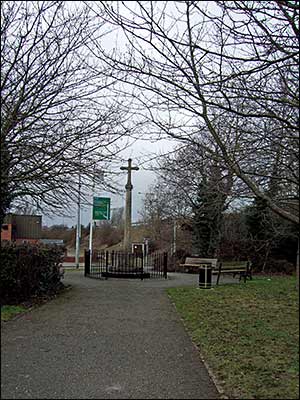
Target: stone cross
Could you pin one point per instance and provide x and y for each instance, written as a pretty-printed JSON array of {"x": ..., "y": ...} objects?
[{"x": 128, "y": 206}]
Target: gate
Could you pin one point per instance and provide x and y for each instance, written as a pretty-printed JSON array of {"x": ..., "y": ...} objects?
[{"x": 105, "y": 264}]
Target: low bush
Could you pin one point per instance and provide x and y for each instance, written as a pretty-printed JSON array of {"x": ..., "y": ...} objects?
[
  {"x": 28, "y": 271},
  {"x": 263, "y": 259},
  {"x": 280, "y": 267}
]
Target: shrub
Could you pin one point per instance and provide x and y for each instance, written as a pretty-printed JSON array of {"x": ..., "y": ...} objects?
[
  {"x": 28, "y": 271},
  {"x": 280, "y": 266}
]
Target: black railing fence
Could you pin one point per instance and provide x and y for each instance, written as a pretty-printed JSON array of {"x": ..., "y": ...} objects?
[{"x": 105, "y": 264}]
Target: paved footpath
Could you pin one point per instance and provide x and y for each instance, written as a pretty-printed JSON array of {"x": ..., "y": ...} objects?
[{"x": 114, "y": 339}]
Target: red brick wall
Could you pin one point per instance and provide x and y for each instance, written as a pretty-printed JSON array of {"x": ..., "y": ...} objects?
[
  {"x": 23, "y": 240},
  {"x": 6, "y": 234},
  {"x": 72, "y": 259}
]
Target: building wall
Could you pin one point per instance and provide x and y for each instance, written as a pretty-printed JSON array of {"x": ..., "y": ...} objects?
[
  {"x": 6, "y": 232},
  {"x": 28, "y": 226},
  {"x": 31, "y": 241},
  {"x": 22, "y": 228}
]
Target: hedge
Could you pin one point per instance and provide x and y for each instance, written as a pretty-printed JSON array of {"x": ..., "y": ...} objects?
[{"x": 28, "y": 271}]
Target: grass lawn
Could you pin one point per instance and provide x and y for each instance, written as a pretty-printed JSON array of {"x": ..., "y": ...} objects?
[
  {"x": 248, "y": 334},
  {"x": 8, "y": 312}
]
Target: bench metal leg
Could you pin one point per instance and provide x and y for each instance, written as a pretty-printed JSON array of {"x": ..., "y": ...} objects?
[{"x": 245, "y": 275}]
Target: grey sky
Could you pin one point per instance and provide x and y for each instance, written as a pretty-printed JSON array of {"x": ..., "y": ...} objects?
[{"x": 140, "y": 152}]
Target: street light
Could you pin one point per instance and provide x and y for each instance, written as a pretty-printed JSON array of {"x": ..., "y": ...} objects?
[{"x": 78, "y": 227}]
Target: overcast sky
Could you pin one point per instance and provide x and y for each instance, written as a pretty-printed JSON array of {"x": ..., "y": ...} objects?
[{"x": 139, "y": 152}]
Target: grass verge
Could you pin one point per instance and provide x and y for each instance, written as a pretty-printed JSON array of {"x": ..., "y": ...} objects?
[
  {"x": 8, "y": 312},
  {"x": 248, "y": 334}
]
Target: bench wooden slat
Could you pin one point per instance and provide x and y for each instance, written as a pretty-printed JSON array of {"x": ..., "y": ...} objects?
[
  {"x": 235, "y": 267},
  {"x": 196, "y": 262},
  {"x": 195, "y": 265},
  {"x": 229, "y": 265}
]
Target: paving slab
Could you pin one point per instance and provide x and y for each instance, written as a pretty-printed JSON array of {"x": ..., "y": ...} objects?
[{"x": 104, "y": 339}]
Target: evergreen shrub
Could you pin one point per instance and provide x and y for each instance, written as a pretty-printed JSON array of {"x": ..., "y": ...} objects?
[{"x": 29, "y": 271}]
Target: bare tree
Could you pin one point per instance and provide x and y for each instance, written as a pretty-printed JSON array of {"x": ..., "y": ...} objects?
[
  {"x": 58, "y": 123},
  {"x": 227, "y": 67},
  {"x": 117, "y": 218},
  {"x": 195, "y": 191}
]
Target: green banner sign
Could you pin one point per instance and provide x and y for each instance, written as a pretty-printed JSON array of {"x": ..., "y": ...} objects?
[{"x": 101, "y": 208}]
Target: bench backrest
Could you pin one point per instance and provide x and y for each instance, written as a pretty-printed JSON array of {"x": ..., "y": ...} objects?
[
  {"x": 236, "y": 264},
  {"x": 202, "y": 261}
]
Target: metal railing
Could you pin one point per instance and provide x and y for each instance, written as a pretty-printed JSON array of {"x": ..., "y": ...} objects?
[{"x": 105, "y": 264}]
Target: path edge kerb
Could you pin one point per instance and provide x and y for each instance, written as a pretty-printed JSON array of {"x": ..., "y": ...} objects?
[
  {"x": 35, "y": 306},
  {"x": 211, "y": 374}
]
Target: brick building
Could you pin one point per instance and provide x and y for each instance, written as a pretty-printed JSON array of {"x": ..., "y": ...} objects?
[{"x": 22, "y": 228}]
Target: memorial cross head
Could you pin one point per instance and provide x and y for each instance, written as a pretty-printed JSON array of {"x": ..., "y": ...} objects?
[{"x": 129, "y": 169}]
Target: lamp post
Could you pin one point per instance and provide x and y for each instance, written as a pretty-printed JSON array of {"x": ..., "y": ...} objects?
[
  {"x": 78, "y": 227},
  {"x": 92, "y": 220}
]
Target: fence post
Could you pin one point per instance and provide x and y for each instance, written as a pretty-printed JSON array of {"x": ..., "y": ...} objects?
[
  {"x": 86, "y": 262},
  {"x": 165, "y": 265},
  {"x": 142, "y": 268},
  {"x": 112, "y": 258},
  {"x": 106, "y": 264}
]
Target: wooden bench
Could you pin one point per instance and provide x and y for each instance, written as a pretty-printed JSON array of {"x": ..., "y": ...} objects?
[
  {"x": 241, "y": 268},
  {"x": 192, "y": 264}
]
